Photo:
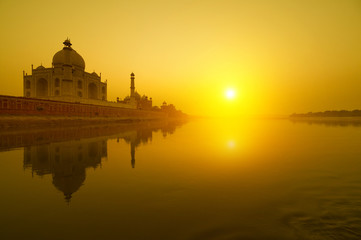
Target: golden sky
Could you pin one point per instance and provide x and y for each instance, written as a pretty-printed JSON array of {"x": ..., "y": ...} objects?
[{"x": 278, "y": 56}]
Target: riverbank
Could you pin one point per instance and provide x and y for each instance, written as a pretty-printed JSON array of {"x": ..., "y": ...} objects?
[
  {"x": 328, "y": 121},
  {"x": 23, "y": 122}
]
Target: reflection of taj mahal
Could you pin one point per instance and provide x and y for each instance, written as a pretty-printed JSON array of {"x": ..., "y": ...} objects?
[
  {"x": 66, "y": 161},
  {"x": 65, "y": 80}
]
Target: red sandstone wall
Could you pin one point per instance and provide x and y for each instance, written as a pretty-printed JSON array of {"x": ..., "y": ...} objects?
[{"x": 38, "y": 107}]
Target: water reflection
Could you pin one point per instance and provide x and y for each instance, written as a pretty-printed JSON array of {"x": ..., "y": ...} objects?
[
  {"x": 210, "y": 180},
  {"x": 231, "y": 144},
  {"x": 66, "y": 153},
  {"x": 66, "y": 162}
]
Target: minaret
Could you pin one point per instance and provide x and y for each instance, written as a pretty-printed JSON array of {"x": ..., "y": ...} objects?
[{"x": 132, "y": 86}]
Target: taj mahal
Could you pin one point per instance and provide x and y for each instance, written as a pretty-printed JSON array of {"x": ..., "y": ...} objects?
[{"x": 67, "y": 80}]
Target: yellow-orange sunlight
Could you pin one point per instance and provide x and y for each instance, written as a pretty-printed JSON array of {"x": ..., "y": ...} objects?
[
  {"x": 230, "y": 93},
  {"x": 277, "y": 55}
]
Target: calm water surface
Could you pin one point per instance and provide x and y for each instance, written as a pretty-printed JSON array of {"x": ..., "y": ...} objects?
[{"x": 205, "y": 179}]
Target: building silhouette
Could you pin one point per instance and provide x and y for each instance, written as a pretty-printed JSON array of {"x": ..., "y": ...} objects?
[
  {"x": 135, "y": 99},
  {"x": 66, "y": 80}
]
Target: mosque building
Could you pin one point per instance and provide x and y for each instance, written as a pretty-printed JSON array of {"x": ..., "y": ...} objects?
[
  {"x": 141, "y": 102},
  {"x": 66, "y": 80}
]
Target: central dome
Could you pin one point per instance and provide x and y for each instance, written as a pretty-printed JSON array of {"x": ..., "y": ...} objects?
[{"x": 68, "y": 56}]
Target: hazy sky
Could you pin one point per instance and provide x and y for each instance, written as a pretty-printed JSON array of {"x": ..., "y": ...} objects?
[{"x": 279, "y": 56}]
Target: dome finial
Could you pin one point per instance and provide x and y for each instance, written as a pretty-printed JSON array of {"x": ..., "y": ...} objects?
[{"x": 67, "y": 42}]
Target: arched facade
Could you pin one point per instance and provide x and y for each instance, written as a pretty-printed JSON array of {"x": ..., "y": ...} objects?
[
  {"x": 41, "y": 88},
  {"x": 66, "y": 80},
  {"x": 27, "y": 84},
  {"x": 92, "y": 91}
]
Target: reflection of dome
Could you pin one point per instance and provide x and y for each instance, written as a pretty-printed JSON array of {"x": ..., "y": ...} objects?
[
  {"x": 68, "y": 56},
  {"x": 68, "y": 184}
]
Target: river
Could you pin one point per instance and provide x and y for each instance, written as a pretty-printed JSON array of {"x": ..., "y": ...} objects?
[{"x": 202, "y": 179}]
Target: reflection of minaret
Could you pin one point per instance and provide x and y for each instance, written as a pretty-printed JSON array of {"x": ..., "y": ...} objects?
[
  {"x": 132, "y": 153},
  {"x": 132, "y": 85},
  {"x": 143, "y": 135}
]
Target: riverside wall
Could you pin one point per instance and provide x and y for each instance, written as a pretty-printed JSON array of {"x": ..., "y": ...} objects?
[{"x": 21, "y": 106}]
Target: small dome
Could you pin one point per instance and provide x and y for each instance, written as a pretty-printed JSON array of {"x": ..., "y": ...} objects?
[
  {"x": 68, "y": 56},
  {"x": 40, "y": 67},
  {"x": 137, "y": 96}
]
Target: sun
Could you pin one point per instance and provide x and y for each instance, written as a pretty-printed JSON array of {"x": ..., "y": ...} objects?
[{"x": 230, "y": 93}]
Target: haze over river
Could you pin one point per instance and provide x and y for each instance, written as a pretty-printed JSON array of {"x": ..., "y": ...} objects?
[{"x": 204, "y": 179}]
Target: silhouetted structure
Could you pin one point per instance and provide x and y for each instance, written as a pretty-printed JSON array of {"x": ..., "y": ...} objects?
[
  {"x": 66, "y": 80},
  {"x": 67, "y": 89},
  {"x": 142, "y": 102},
  {"x": 341, "y": 113},
  {"x": 171, "y": 111}
]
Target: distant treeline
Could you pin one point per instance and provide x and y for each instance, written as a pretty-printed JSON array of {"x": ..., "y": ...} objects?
[{"x": 340, "y": 113}]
